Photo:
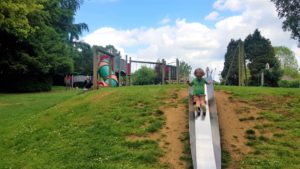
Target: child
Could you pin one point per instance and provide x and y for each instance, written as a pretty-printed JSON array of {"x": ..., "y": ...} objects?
[{"x": 198, "y": 93}]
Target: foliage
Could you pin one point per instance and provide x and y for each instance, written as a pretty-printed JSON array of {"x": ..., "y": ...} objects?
[
  {"x": 289, "y": 10},
  {"x": 226, "y": 158},
  {"x": 259, "y": 52},
  {"x": 84, "y": 59},
  {"x": 15, "y": 16},
  {"x": 38, "y": 47},
  {"x": 286, "y": 57},
  {"x": 184, "y": 70},
  {"x": 69, "y": 129},
  {"x": 287, "y": 61},
  {"x": 111, "y": 49},
  {"x": 290, "y": 83},
  {"x": 143, "y": 76},
  {"x": 293, "y": 73},
  {"x": 231, "y": 68}
]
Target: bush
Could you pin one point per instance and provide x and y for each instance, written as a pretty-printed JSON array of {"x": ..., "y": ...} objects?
[
  {"x": 24, "y": 84},
  {"x": 144, "y": 76},
  {"x": 289, "y": 84}
]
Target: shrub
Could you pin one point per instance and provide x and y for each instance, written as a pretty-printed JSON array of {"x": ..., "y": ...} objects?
[
  {"x": 289, "y": 84},
  {"x": 24, "y": 84},
  {"x": 144, "y": 76}
]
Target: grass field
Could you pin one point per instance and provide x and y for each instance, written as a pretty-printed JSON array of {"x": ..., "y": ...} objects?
[
  {"x": 72, "y": 129},
  {"x": 275, "y": 138}
]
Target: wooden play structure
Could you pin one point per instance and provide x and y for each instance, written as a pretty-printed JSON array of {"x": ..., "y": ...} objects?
[{"x": 110, "y": 70}]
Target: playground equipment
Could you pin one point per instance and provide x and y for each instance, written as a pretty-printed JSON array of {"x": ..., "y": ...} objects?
[
  {"x": 169, "y": 73},
  {"x": 204, "y": 133},
  {"x": 110, "y": 70}
]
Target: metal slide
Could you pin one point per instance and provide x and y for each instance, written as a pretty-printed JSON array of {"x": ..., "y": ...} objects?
[{"x": 204, "y": 134}]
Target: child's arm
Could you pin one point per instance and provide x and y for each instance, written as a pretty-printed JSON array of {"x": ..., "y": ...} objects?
[{"x": 209, "y": 81}]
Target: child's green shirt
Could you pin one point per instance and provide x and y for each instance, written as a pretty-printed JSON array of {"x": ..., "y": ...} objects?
[{"x": 198, "y": 85}]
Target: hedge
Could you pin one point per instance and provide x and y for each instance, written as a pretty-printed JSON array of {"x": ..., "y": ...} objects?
[{"x": 289, "y": 84}]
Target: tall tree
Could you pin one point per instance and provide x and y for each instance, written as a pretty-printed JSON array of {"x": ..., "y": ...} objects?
[
  {"x": 35, "y": 42},
  {"x": 290, "y": 11},
  {"x": 184, "y": 70},
  {"x": 15, "y": 17},
  {"x": 287, "y": 60},
  {"x": 84, "y": 59},
  {"x": 259, "y": 52},
  {"x": 230, "y": 72}
]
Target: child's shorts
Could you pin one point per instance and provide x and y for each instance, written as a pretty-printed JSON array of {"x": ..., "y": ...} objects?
[{"x": 197, "y": 98}]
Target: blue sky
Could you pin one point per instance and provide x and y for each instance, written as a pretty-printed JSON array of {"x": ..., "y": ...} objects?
[
  {"x": 128, "y": 14},
  {"x": 196, "y": 31}
]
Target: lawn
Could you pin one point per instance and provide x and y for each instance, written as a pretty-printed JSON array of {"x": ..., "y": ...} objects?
[
  {"x": 75, "y": 129},
  {"x": 72, "y": 129},
  {"x": 275, "y": 139}
]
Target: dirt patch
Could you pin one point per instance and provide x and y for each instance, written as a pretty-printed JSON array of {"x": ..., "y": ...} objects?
[
  {"x": 175, "y": 126},
  {"x": 169, "y": 137},
  {"x": 235, "y": 119}
]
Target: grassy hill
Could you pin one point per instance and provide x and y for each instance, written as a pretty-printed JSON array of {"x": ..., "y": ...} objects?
[
  {"x": 268, "y": 120},
  {"x": 72, "y": 129}
]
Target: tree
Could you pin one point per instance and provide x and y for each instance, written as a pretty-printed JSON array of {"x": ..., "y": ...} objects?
[
  {"x": 288, "y": 61},
  {"x": 286, "y": 57},
  {"x": 15, "y": 17},
  {"x": 230, "y": 72},
  {"x": 143, "y": 76},
  {"x": 290, "y": 11},
  {"x": 84, "y": 59},
  {"x": 184, "y": 70},
  {"x": 35, "y": 43},
  {"x": 259, "y": 52}
]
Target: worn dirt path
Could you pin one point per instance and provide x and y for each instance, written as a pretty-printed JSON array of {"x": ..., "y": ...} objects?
[
  {"x": 170, "y": 136},
  {"x": 176, "y": 121},
  {"x": 232, "y": 127}
]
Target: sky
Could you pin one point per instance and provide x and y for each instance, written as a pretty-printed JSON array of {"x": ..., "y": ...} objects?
[{"x": 195, "y": 31}]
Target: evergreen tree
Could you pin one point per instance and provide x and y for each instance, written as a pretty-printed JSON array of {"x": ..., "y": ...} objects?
[
  {"x": 230, "y": 72},
  {"x": 259, "y": 52}
]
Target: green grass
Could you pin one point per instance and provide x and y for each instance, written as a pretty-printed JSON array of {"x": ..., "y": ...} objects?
[
  {"x": 281, "y": 113},
  {"x": 71, "y": 129}
]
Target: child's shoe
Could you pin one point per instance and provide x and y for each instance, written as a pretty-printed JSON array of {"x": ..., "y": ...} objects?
[
  {"x": 204, "y": 110},
  {"x": 199, "y": 110}
]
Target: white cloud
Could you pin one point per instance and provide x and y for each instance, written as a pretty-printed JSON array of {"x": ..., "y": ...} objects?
[
  {"x": 195, "y": 42},
  {"x": 233, "y": 5},
  {"x": 212, "y": 16},
  {"x": 165, "y": 20}
]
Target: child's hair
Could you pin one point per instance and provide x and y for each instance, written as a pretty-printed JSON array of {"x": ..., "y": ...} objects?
[{"x": 200, "y": 70}]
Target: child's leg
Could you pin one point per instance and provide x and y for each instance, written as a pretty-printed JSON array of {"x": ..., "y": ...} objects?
[
  {"x": 197, "y": 106},
  {"x": 197, "y": 101},
  {"x": 202, "y": 102}
]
